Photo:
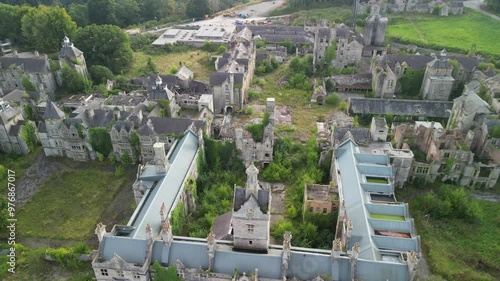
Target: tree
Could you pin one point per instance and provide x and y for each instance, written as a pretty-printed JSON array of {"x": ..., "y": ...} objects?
[
  {"x": 73, "y": 82},
  {"x": 10, "y": 22},
  {"x": 100, "y": 140},
  {"x": 493, "y": 5},
  {"x": 197, "y": 8},
  {"x": 27, "y": 85},
  {"x": 105, "y": 45},
  {"x": 151, "y": 66},
  {"x": 100, "y": 74},
  {"x": 102, "y": 11},
  {"x": 79, "y": 13},
  {"x": 45, "y": 27},
  {"x": 127, "y": 12}
]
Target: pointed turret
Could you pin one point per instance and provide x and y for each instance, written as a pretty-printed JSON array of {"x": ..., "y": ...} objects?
[
  {"x": 52, "y": 112},
  {"x": 252, "y": 185}
]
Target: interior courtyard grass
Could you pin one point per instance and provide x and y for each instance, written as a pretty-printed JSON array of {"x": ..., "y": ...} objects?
[
  {"x": 69, "y": 204},
  {"x": 387, "y": 217},
  {"x": 455, "y": 32},
  {"x": 197, "y": 60}
]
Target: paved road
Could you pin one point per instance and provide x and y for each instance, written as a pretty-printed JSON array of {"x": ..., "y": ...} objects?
[
  {"x": 257, "y": 12},
  {"x": 476, "y": 5}
]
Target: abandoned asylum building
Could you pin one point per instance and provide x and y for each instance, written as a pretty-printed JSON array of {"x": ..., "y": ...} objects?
[{"x": 162, "y": 124}]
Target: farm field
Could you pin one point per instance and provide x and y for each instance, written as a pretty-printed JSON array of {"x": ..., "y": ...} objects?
[{"x": 455, "y": 32}]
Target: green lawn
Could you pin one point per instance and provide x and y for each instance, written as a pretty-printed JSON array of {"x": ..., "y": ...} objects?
[
  {"x": 455, "y": 32},
  {"x": 376, "y": 180},
  {"x": 387, "y": 217},
  {"x": 69, "y": 204},
  {"x": 196, "y": 60},
  {"x": 16, "y": 163}
]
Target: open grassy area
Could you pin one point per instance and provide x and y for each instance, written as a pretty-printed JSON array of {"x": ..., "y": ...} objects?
[
  {"x": 69, "y": 204},
  {"x": 304, "y": 114},
  {"x": 16, "y": 163},
  {"x": 387, "y": 217},
  {"x": 197, "y": 60},
  {"x": 330, "y": 14},
  {"x": 455, "y": 32},
  {"x": 457, "y": 249}
]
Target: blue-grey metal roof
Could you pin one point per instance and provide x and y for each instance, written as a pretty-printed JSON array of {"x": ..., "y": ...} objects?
[
  {"x": 354, "y": 198},
  {"x": 129, "y": 249},
  {"x": 167, "y": 189}
]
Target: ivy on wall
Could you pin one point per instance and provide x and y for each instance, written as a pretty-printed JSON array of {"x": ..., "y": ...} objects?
[{"x": 100, "y": 140}]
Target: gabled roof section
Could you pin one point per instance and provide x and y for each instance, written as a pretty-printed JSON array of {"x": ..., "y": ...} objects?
[
  {"x": 52, "y": 112},
  {"x": 168, "y": 126}
]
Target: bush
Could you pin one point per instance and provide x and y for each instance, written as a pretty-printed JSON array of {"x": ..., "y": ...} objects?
[
  {"x": 333, "y": 99},
  {"x": 120, "y": 171},
  {"x": 100, "y": 74}
]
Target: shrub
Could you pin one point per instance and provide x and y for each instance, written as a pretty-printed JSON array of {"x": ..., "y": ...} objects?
[
  {"x": 120, "y": 171},
  {"x": 100, "y": 74},
  {"x": 333, "y": 99}
]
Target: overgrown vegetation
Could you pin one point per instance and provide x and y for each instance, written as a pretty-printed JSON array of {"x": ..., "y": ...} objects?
[
  {"x": 219, "y": 170},
  {"x": 28, "y": 133},
  {"x": 411, "y": 82},
  {"x": 266, "y": 66},
  {"x": 299, "y": 71},
  {"x": 100, "y": 140},
  {"x": 162, "y": 274},
  {"x": 178, "y": 219},
  {"x": 77, "y": 198},
  {"x": 296, "y": 165},
  {"x": 257, "y": 130},
  {"x": 459, "y": 233}
]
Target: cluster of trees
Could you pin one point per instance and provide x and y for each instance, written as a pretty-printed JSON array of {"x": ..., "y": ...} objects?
[
  {"x": 299, "y": 71},
  {"x": 43, "y": 28},
  {"x": 296, "y": 165},
  {"x": 448, "y": 202},
  {"x": 493, "y": 5}
]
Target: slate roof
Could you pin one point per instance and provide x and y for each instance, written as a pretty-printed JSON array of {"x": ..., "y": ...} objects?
[
  {"x": 41, "y": 127},
  {"x": 491, "y": 124},
  {"x": 29, "y": 65},
  {"x": 472, "y": 103},
  {"x": 360, "y": 135},
  {"x": 415, "y": 62},
  {"x": 14, "y": 130},
  {"x": 123, "y": 124},
  {"x": 94, "y": 118},
  {"x": 184, "y": 73},
  {"x": 72, "y": 122},
  {"x": 240, "y": 197},
  {"x": 441, "y": 63},
  {"x": 222, "y": 227},
  {"x": 170, "y": 126},
  {"x": 400, "y": 107},
  {"x": 167, "y": 186},
  {"x": 217, "y": 78},
  {"x": 52, "y": 111}
]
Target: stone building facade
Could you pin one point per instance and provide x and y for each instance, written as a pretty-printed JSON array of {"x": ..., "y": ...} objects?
[
  {"x": 11, "y": 126},
  {"x": 251, "y": 218},
  {"x": 320, "y": 199},
  {"x": 468, "y": 111},
  {"x": 438, "y": 81},
  {"x": 258, "y": 151},
  {"x": 72, "y": 57},
  {"x": 375, "y": 28},
  {"x": 32, "y": 65},
  {"x": 349, "y": 47},
  {"x": 234, "y": 73}
]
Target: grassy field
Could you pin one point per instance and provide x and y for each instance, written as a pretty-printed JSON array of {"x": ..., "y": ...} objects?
[
  {"x": 458, "y": 250},
  {"x": 196, "y": 60},
  {"x": 455, "y": 32},
  {"x": 330, "y": 14},
  {"x": 304, "y": 114},
  {"x": 387, "y": 217},
  {"x": 16, "y": 163},
  {"x": 69, "y": 204}
]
